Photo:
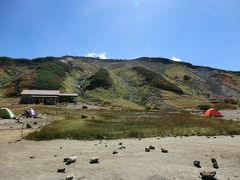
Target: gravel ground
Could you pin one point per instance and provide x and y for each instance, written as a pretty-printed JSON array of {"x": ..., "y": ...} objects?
[
  {"x": 131, "y": 163},
  {"x": 231, "y": 114}
]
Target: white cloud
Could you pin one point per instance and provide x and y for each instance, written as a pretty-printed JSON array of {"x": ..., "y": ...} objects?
[
  {"x": 176, "y": 59},
  {"x": 95, "y": 55}
]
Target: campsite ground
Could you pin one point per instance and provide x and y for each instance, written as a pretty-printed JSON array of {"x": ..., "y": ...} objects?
[
  {"x": 231, "y": 114},
  {"x": 130, "y": 163}
]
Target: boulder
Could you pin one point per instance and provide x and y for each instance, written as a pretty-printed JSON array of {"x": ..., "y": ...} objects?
[
  {"x": 61, "y": 170},
  {"x": 213, "y": 160},
  {"x": 122, "y": 147},
  {"x": 70, "y": 159},
  {"x": 164, "y": 150},
  {"x": 115, "y": 152},
  {"x": 70, "y": 176},
  {"x": 207, "y": 175},
  {"x": 147, "y": 149},
  {"x": 152, "y": 147},
  {"x": 28, "y": 126},
  {"x": 83, "y": 117},
  {"x": 84, "y": 107},
  {"x": 215, "y": 165},
  {"x": 94, "y": 160},
  {"x": 197, "y": 164}
]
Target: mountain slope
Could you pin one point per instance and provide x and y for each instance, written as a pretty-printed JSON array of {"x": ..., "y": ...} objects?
[{"x": 156, "y": 83}]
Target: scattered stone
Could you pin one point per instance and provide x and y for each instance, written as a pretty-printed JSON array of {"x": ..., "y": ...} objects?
[
  {"x": 55, "y": 155},
  {"x": 83, "y": 117},
  {"x": 84, "y": 107},
  {"x": 152, "y": 147},
  {"x": 94, "y": 160},
  {"x": 31, "y": 157},
  {"x": 61, "y": 170},
  {"x": 35, "y": 123},
  {"x": 120, "y": 143},
  {"x": 197, "y": 164},
  {"x": 70, "y": 176},
  {"x": 164, "y": 150},
  {"x": 180, "y": 136},
  {"x": 115, "y": 152},
  {"x": 214, "y": 137},
  {"x": 61, "y": 147},
  {"x": 70, "y": 159},
  {"x": 213, "y": 160},
  {"x": 105, "y": 145},
  {"x": 215, "y": 165},
  {"x": 207, "y": 175},
  {"x": 208, "y": 136},
  {"x": 18, "y": 140},
  {"x": 147, "y": 149},
  {"x": 122, "y": 147},
  {"x": 28, "y": 126},
  {"x": 9, "y": 142},
  {"x": 232, "y": 136},
  {"x": 158, "y": 138}
]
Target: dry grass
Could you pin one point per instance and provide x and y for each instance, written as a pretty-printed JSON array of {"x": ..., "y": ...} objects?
[{"x": 111, "y": 124}]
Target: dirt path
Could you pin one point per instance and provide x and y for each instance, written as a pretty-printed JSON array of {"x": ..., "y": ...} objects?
[{"x": 131, "y": 163}]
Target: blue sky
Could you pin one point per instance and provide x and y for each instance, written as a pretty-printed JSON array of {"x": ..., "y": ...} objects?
[{"x": 202, "y": 32}]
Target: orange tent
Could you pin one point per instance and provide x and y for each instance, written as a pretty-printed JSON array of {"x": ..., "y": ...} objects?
[{"x": 212, "y": 113}]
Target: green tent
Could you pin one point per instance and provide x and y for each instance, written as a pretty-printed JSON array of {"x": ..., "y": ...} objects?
[{"x": 6, "y": 113}]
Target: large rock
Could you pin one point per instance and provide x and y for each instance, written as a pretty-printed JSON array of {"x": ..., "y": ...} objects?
[
  {"x": 115, "y": 152},
  {"x": 164, "y": 150},
  {"x": 208, "y": 175},
  {"x": 61, "y": 170},
  {"x": 70, "y": 159},
  {"x": 152, "y": 147},
  {"x": 214, "y": 163},
  {"x": 28, "y": 126},
  {"x": 197, "y": 164},
  {"x": 147, "y": 149},
  {"x": 70, "y": 176},
  {"x": 94, "y": 160}
]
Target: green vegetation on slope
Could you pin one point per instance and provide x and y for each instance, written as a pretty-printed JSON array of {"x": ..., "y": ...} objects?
[
  {"x": 156, "y": 79},
  {"x": 154, "y": 83},
  {"x": 134, "y": 124},
  {"x": 101, "y": 79},
  {"x": 51, "y": 75}
]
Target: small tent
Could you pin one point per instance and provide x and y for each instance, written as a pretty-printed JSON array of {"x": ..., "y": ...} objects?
[
  {"x": 212, "y": 113},
  {"x": 6, "y": 113}
]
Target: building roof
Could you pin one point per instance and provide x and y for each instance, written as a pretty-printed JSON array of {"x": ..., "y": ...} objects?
[
  {"x": 65, "y": 94},
  {"x": 41, "y": 92}
]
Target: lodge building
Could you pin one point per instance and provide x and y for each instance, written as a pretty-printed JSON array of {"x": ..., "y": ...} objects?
[{"x": 49, "y": 97}]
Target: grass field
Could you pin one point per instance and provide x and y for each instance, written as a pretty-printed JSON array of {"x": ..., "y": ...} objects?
[{"x": 109, "y": 124}]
